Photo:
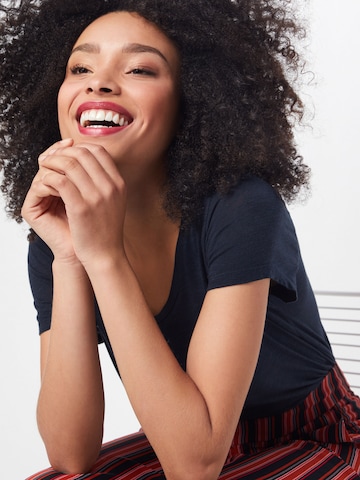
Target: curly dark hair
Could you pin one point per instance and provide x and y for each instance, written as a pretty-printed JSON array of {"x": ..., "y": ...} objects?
[{"x": 238, "y": 104}]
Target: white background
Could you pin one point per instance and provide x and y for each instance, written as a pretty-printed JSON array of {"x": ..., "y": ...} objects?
[{"x": 327, "y": 226}]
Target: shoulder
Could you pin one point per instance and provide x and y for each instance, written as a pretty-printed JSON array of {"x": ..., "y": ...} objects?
[
  {"x": 252, "y": 203},
  {"x": 251, "y": 188},
  {"x": 248, "y": 235}
]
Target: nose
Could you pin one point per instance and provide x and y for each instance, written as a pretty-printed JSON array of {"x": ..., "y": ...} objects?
[
  {"x": 101, "y": 89},
  {"x": 102, "y": 85}
]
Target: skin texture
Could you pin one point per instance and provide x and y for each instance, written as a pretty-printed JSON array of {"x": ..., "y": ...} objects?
[
  {"x": 237, "y": 109},
  {"x": 144, "y": 83},
  {"x": 96, "y": 200}
]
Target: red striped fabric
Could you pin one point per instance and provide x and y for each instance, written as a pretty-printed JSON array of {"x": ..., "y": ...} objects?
[{"x": 317, "y": 440}]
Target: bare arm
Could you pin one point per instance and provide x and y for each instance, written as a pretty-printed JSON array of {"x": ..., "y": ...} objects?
[
  {"x": 71, "y": 405},
  {"x": 190, "y": 418}
]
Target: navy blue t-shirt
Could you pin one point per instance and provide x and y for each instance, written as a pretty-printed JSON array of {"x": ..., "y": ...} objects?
[{"x": 241, "y": 237}]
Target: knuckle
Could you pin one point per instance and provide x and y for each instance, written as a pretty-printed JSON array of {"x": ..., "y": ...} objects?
[
  {"x": 81, "y": 149},
  {"x": 112, "y": 194},
  {"x": 59, "y": 181},
  {"x": 110, "y": 190},
  {"x": 90, "y": 147},
  {"x": 70, "y": 163},
  {"x": 98, "y": 148},
  {"x": 96, "y": 200},
  {"x": 80, "y": 209}
]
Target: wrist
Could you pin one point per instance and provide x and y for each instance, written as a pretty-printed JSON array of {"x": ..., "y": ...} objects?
[
  {"x": 68, "y": 266},
  {"x": 104, "y": 265}
]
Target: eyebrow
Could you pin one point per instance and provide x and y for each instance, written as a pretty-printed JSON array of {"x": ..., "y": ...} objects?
[
  {"x": 127, "y": 48},
  {"x": 87, "y": 48}
]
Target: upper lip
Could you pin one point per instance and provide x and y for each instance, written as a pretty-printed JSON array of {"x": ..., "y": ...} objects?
[{"x": 107, "y": 106}]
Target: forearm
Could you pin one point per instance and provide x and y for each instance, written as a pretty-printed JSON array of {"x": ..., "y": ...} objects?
[
  {"x": 166, "y": 400},
  {"x": 71, "y": 405}
]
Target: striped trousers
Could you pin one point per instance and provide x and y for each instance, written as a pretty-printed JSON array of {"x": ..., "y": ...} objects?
[{"x": 317, "y": 440}]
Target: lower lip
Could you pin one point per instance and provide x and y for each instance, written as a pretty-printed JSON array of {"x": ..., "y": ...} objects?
[{"x": 100, "y": 132}]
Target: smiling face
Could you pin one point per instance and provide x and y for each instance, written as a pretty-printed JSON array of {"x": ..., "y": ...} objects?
[{"x": 121, "y": 89}]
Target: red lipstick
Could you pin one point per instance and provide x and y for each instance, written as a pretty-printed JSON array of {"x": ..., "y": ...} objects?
[{"x": 102, "y": 118}]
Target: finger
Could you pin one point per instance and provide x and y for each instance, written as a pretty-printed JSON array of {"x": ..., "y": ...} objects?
[
  {"x": 93, "y": 158},
  {"x": 38, "y": 184},
  {"x": 66, "y": 142},
  {"x": 89, "y": 167},
  {"x": 101, "y": 167},
  {"x": 61, "y": 186},
  {"x": 97, "y": 162},
  {"x": 39, "y": 192},
  {"x": 37, "y": 200},
  {"x": 103, "y": 158},
  {"x": 73, "y": 165}
]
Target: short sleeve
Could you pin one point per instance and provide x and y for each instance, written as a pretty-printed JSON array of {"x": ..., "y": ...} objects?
[
  {"x": 40, "y": 260},
  {"x": 248, "y": 236}
]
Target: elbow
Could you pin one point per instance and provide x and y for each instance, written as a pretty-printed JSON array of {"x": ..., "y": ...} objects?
[
  {"x": 195, "y": 472},
  {"x": 72, "y": 454},
  {"x": 71, "y": 464},
  {"x": 72, "y": 467}
]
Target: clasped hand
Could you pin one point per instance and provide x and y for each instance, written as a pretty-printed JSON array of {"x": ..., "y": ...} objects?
[{"x": 76, "y": 202}]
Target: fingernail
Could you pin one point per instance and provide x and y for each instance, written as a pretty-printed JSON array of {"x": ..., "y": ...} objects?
[{"x": 65, "y": 140}]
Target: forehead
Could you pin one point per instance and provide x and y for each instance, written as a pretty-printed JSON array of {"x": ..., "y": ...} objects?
[{"x": 120, "y": 28}]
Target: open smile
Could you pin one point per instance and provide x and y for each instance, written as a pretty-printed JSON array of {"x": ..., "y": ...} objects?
[
  {"x": 97, "y": 116},
  {"x": 103, "y": 118}
]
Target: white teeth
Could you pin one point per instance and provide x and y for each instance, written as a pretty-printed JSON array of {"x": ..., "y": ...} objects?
[
  {"x": 100, "y": 115},
  {"x": 96, "y": 115},
  {"x": 109, "y": 117}
]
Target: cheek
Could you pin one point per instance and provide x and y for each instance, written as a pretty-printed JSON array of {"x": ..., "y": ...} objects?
[
  {"x": 165, "y": 111},
  {"x": 163, "y": 128}
]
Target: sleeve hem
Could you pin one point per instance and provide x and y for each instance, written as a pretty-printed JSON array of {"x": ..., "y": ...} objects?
[{"x": 285, "y": 290}]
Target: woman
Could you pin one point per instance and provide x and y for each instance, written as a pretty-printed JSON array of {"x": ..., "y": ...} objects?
[{"x": 158, "y": 228}]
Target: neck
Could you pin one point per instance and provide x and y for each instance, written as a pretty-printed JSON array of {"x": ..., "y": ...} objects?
[
  {"x": 144, "y": 211},
  {"x": 148, "y": 231}
]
